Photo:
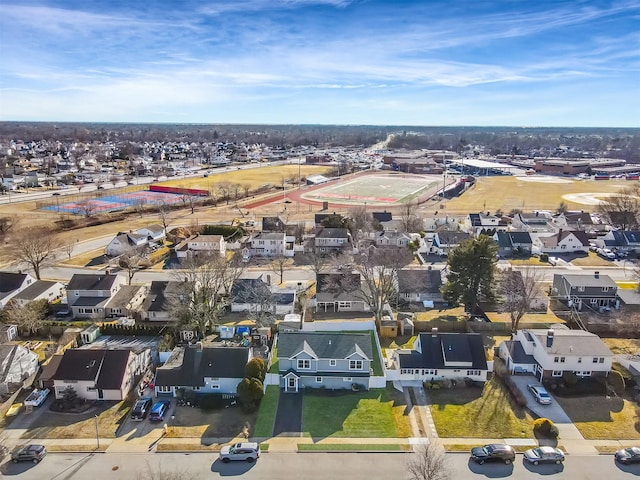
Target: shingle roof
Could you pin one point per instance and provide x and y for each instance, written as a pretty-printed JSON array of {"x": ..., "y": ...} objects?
[
  {"x": 518, "y": 354},
  {"x": 160, "y": 296},
  {"x": 188, "y": 366},
  {"x": 419, "y": 281},
  {"x": 124, "y": 296},
  {"x": 106, "y": 367},
  {"x": 459, "y": 347},
  {"x": 324, "y": 345},
  {"x": 335, "y": 287},
  {"x": 34, "y": 290},
  {"x": 10, "y": 281},
  {"x": 332, "y": 233},
  {"x": 586, "y": 280},
  {"x": 382, "y": 216},
  {"x": 91, "y": 281},
  {"x": 572, "y": 342}
]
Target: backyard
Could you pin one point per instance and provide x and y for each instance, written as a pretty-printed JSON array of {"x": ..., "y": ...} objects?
[
  {"x": 478, "y": 412},
  {"x": 375, "y": 413}
]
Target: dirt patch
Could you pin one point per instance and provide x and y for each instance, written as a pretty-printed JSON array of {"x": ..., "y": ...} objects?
[{"x": 224, "y": 423}]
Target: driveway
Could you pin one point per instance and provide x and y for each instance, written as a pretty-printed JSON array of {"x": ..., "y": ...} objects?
[
  {"x": 553, "y": 412},
  {"x": 289, "y": 415}
]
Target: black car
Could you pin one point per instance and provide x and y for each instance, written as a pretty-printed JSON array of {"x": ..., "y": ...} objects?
[
  {"x": 28, "y": 453},
  {"x": 141, "y": 408},
  {"x": 494, "y": 452},
  {"x": 628, "y": 455}
]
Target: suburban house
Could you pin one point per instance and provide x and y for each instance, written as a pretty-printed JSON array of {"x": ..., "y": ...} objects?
[
  {"x": 154, "y": 232},
  {"x": 574, "y": 221},
  {"x": 393, "y": 239},
  {"x": 17, "y": 364},
  {"x": 88, "y": 294},
  {"x": 202, "y": 369},
  {"x": 318, "y": 218},
  {"x": 446, "y": 240},
  {"x": 39, "y": 290},
  {"x": 513, "y": 243},
  {"x": 622, "y": 240},
  {"x": 417, "y": 285},
  {"x": 126, "y": 301},
  {"x": 273, "y": 224},
  {"x": 564, "y": 242},
  {"x": 160, "y": 300},
  {"x": 476, "y": 223},
  {"x": 255, "y": 295},
  {"x": 536, "y": 222},
  {"x": 271, "y": 244},
  {"x": 381, "y": 217},
  {"x": 11, "y": 284},
  {"x": 339, "y": 292},
  {"x": 593, "y": 291},
  {"x": 126, "y": 242},
  {"x": 554, "y": 352},
  {"x": 331, "y": 240},
  {"x": 324, "y": 360},
  {"x": 442, "y": 356},
  {"x": 96, "y": 374},
  {"x": 201, "y": 245}
]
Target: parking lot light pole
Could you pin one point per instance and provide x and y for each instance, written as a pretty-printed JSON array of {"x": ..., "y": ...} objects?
[{"x": 97, "y": 432}]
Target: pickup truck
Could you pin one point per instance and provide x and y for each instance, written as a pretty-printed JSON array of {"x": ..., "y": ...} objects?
[{"x": 36, "y": 398}]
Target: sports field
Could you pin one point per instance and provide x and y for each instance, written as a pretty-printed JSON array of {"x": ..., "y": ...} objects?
[
  {"x": 536, "y": 192},
  {"x": 376, "y": 189},
  {"x": 112, "y": 203}
]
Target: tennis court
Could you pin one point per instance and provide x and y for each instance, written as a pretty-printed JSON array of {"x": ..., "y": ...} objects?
[
  {"x": 112, "y": 203},
  {"x": 377, "y": 189}
]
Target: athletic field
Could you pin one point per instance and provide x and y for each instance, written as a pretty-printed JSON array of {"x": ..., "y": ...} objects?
[{"x": 376, "y": 189}]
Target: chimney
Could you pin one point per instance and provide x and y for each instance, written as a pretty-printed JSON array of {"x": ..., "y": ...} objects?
[
  {"x": 550, "y": 334},
  {"x": 596, "y": 274},
  {"x": 560, "y": 233},
  {"x": 434, "y": 332}
]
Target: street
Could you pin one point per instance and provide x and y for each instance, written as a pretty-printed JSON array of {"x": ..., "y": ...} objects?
[{"x": 308, "y": 466}]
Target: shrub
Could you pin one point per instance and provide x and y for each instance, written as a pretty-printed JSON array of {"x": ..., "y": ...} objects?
[
  {"x": 544, "y": 257},
  {"x": 616, "y": 381},
  {"x": 211, "y": 401},
  {"x": 545, "y": 428},
  {"x": 256, "y": 368}
]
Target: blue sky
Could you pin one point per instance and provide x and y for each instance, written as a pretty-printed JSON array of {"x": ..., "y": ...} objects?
[{"x": 396, "y": 62}]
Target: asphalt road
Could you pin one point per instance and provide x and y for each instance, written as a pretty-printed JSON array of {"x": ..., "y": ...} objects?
[{"x": 308, "y": 466}]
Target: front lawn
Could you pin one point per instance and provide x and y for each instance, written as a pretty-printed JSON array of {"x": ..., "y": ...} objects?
[
  {"x": 267, "y": 412},
  {"x": 376, "y": 413},
  {"x": 476, "y": 412},
  {"x": 599, "y": 417}
]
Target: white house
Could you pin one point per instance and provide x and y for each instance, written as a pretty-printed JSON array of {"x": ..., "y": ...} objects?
[
  {"x": 564, "y": 242},
  {"x": 153, "y": 232},
  {"x": 394, "y": 239},
  {"x": 124, "y": 242},
  {"x": 271, "y": 244},
  {"x": 89, "y": 294},
  {"x": 554, "y": 352},
  {"x": 40, "y": 290},
  {"x": 17, "y": 363},
  {"x": 201, "y": 245},
  {"x": 11, "y": 284},
  {"x": 328, "y": 240}
]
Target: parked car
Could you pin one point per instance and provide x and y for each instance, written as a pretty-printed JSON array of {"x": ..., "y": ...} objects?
[
  {"x": 606, "y": 253},
  {"x": 246, "y": 451},
  {"x": 494, "y": 452},
  {"x": 628, "y": 455},
  {"x": 540, "y": 394},
  {"x": 159, "y": 410},
  {"x": 544, "y": 455},
  {"x": 141, "y": 409},
  {"x": 29, "y": 453}
]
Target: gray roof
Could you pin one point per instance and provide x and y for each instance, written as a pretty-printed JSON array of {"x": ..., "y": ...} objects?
[
  {"x": 91, "y": 301},
  {"x": 585, "y": 280},
  {"x": 332, "y": 233},
  {"x": 91, "y": 281},
  {"x": 188, "y": 366},
  {"x": 452, "y": 347},
  {"x": 34, "y": 290},
  {"x": 124, "y": 296},
  {"x": 106, "y": 367},
  {"x": 518, "y": 354},
  {"x": 572, "y": 342},
  {"x": 324, "y": 345},
  {"x": 10, "y": 281},
  {"x": 161, "y": 295},
  {"x": 419, "y": 280},
  {"x": 269, "y": 236},
  {"x": 337, "y": 287}
]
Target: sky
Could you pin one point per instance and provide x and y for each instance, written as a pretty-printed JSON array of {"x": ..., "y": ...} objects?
[{"x": 396, "y": 62}]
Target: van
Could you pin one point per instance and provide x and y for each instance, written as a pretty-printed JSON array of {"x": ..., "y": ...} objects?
[{"x": 158, "y": 411}]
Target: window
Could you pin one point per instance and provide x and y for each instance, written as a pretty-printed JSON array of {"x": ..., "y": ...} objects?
[
  {"x": 583, "y": 374},
  {"x": 562, "y": 359},
  {"x": 556, "y": 373},
  {"x": 318, "y": 379},
  {"x": 332, "y": 363},
  {"x": 304, "y": 364},
  {"x": 602, "y": 360},
  {"x": 355, "y": 364},
  {"x": 195, "y": 389},
  {"x": 581, "y": 289},
  {"x": 344, "y": 304},
  {"x": 595, "y": 359},
  {"x": 605, "y": 289},
  {"x": 473, "y": 373},
  {"x": 163, "y": 388},
  {"x": 556, "y": 359},
  {"x": 346, "y": 379},
  {"x": 215, "y": 387},
  {"x": 579, "y": 359}
]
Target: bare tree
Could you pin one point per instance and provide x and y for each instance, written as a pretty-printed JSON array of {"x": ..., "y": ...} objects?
[
  {"x": 378, "y": 268},
  {"x": 277, "y": 265},
  {"x": 246, "y": 188},
  {"x": 164, "y": 212},
  {"x": 35, "y": 247},
  {"x": 319, "y": 261},
  {"x": 132, "y": 260},
  {"x": 409, "y": 220},
  {"x": 30, "y": 316},
  {"x": 87, "y": 208},
  {"x": 259, "y": 299},
  {"x": 519, "y": 288},
  {"x": 428, "y": 463},
  {"x": 69, "y": 246},
  {"x": 361, "y": 224},
  {"x": 225, "y": 188},
  {"x": 622, "y": 210}
]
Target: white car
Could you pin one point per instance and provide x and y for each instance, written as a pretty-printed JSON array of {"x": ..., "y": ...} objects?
[
  {"x": 245, "y": 451},
  {"x": 608, "y": 254}
]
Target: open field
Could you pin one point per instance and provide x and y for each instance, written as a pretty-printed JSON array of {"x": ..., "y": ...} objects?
[
  {"x": 475, "y": 412},
  {"x": 376, "y": 413},
  {"x": 507, "y": 193},
  {"x": 600, "y": 417},
  {"x": 623, "y": 345}
]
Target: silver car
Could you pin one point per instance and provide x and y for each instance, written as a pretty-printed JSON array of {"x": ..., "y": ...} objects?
[
  {"x": 246, "y": 451},
  {"x": 540, "y": 394},
  {"x": 544, "y": 455}
]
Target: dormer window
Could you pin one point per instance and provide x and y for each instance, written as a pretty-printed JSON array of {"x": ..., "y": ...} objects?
[{"x": 304, "y": 364}]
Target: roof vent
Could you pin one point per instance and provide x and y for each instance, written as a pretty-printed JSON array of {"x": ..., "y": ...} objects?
[
  {"x": 596, "y": 274},
  {"x": 329, "y": 341},
  {"x": 434, "y": 332}
]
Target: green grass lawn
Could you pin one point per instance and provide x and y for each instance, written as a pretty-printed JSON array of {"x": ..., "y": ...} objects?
[
  {"x": 267, "y": 412},
  {"x": 475, "y": 412},
  {"x": 375, "y": 362},
  {"x": 274, "y": 361},
  {"x": 354, "y": 414},
  {"x": 599, "y": 417}
]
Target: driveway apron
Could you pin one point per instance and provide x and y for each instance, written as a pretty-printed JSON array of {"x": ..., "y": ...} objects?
[{"x": 289, "y": 415}]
